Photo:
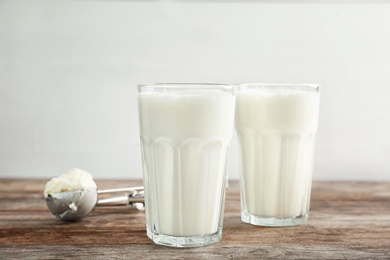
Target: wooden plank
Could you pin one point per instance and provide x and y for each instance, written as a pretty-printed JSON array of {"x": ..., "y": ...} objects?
[{"x": 348, "y": 220}]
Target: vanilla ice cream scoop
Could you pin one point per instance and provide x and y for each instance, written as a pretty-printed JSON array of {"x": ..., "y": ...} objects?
[
  {"x": 74, "y": 194},
  {"x": 73, "y": 179}
]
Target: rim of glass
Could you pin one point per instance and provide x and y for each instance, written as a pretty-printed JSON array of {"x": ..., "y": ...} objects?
[
  {"x": 311, "y": 87},
  {"x": 186, "y": 86},
  {"x": 302, "y": 85}
]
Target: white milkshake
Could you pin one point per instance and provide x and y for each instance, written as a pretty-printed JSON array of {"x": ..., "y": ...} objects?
[
  {"x": 185, "y": 134},
  {"x": 276, "y": 127}
]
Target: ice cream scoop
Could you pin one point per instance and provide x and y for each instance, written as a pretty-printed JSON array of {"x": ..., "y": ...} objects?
[{"x": 74, "y": 195}]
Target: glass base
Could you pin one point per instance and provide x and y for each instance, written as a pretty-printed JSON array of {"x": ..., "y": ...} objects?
[
  {"x": 273, "y": 222},
  {"x": 192, "y": 241}
]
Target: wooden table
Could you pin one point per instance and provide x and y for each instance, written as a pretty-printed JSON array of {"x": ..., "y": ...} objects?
[{"x": 348, "y": 220}]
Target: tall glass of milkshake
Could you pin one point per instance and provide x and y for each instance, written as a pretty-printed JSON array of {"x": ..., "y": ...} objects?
[
  {"x": 276, "y": 127},
  {"x": 185, "y": 132}
]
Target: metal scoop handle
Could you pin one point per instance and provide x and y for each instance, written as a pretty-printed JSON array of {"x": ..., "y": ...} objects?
[{"x": 133, "y": 196}]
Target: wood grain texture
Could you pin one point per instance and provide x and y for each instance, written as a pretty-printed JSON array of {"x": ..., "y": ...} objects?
[{"x": 348, "y": 220}]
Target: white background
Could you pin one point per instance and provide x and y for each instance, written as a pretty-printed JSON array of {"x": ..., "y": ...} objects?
[{"x": 69, "y": 69}]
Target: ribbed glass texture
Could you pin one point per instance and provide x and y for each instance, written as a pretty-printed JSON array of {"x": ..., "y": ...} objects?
[
  {"x": 276, "y": 128},
  {"x": 185, "y": 134}
]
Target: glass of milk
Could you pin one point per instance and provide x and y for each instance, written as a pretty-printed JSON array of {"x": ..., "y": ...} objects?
[
  {"x": 185, "y": 132},
  {"x": 276, "y": 127}
]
